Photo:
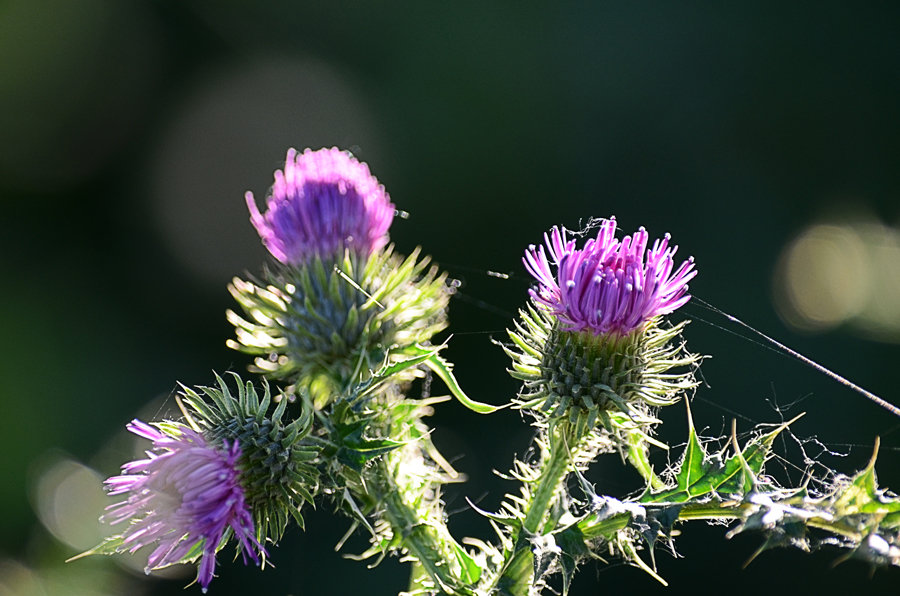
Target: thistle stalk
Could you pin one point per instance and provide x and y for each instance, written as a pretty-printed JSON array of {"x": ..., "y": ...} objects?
[
  {"x": 427, "y": 540},
  {"x": 596, "y": 360},
  {"x": 568, "y": 445},
  {"x": 564, "y": 442}
]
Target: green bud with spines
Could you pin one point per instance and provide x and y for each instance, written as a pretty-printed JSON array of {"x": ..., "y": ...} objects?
[
  {"x": 324, "y": 324},
  {"x": 278, "y": 459},
  {"x": 576, "y": 373}
]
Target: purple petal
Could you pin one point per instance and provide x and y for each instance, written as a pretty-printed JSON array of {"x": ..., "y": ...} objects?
[{"x": 608, "y": 286}]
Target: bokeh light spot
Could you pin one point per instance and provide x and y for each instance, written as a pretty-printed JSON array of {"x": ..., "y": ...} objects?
[
  {"x": 880, "y": 319},
  {"x": 842, "y": 274},
  {"x": 824, "y": 275},
  {"x": 68, "y": 499},
  {"x": 230, "y": 137}
]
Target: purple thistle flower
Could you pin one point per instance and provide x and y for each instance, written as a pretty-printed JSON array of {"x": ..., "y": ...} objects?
[
  {"x": 323, "y": 202},
  {"x": 186, "y": 493},
  {"x": 607, "y": 286}
]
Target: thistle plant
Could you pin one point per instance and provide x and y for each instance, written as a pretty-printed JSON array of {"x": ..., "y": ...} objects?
[{"x": 340, "y": 324}]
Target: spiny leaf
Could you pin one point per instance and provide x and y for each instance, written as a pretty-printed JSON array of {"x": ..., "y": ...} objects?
[
  {"x": 700, "y": 476},
  {"x": 741, "y": 470},
  {"x": 862, "y": 494},
  {"x": 471, "y": 570},
  {"x": 693, "y": 470},
  {"x": 357, "y": 453},
  {"x": 694, "y": 465}
]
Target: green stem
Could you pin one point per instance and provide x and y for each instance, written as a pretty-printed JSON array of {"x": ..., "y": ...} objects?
[
  {"x": 418, "y": 577},
  {"x": 607, "y": 527},
  {"x": 553, "y": 473},
  {"x": 426, "y": 541},
  {"x": 638, "y": 457},
  {"x": 722, "y": 512},
  {"x": 564, "y": 439},
  {"x": 709, "y": 511}
]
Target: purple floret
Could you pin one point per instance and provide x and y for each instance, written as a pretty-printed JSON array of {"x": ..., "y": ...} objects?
[
  {"x": 323, "y": 202},
  {"x": 186, "y": 493},
  {"x": 607, "y": 287}
]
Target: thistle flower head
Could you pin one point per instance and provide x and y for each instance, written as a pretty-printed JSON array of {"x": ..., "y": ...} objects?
[
  {"x": 323, "y": 202},
  {"x": 185, "y": 496},
  {"x": 344, "y": 302},
  {"x": 609, "y": 286},
  {"x": 326, "y": 324},
  {"x": 592, "y": 341},
  {"x": 278, "y": 465}
]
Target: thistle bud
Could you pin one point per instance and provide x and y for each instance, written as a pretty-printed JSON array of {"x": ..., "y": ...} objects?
[
  {"x": 593, "y": 341},
  {"x": 339, "y": 302},
  {"x": 277, "y": 462}
]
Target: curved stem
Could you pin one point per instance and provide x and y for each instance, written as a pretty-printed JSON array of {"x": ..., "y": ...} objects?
[{"x": 637, "y": 456}]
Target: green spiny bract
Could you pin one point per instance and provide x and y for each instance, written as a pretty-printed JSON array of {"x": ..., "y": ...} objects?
[
  {"x": 578, "y": 373},
  {"x": 323, "y": 325},
  {"x": 277, "y": 465}
]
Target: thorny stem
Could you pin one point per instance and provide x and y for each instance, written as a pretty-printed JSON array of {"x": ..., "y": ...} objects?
[
  {"x": 728, "y": 510},
  {"x": 564, "y": 439},
  {"x": 553, "y": 472},
  {"x": 422, "y": 539}
]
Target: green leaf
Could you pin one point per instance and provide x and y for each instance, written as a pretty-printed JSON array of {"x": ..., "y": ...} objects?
[
  {"x": 862, "y": 495},
  {"x": 387, "y": 372},
  {"x": 441, "y": 368},
  {"x": 741, "y": 470},
  {"x": 573, "y": 549},
  {"x": 691, "y": 473},
  {"x": 471, "y": 570},
  {"x": 699, "y": 475},
  {"x": 356, "y": 454},
  {"x": 694, "y": 465}
]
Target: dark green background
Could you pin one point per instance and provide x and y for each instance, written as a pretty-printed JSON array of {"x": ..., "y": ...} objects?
[{"x": 130, "y": 130}]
